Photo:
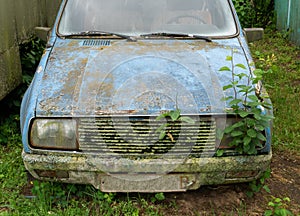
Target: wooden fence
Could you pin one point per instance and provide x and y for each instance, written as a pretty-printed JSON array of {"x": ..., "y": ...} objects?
[{"x": 288, "y": 18}]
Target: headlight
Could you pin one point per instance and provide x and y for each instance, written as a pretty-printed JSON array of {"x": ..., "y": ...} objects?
[{"x": 54, "y": 134}]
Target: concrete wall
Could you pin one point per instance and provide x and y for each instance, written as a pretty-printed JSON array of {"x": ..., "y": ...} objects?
[{"x": 17, "y": 21}]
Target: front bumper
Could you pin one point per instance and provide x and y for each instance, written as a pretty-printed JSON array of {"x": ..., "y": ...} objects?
[{"x": 157, "y": 175}]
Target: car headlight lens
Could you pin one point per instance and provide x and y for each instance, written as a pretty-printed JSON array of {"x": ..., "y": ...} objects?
[{"x": 54, "y": 134}]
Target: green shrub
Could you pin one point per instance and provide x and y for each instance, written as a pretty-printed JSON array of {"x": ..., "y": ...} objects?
[
  {"x": 255, "y": 13},
  {"x": 30, "y": 54}
]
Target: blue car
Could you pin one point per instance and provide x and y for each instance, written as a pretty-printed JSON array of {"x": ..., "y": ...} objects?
[{"x": 129, "y": 97}]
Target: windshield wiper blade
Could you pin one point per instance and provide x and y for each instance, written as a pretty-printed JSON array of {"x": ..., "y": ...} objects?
[
  {"x": 165, "y": 34},
  {"x": 101, "y": 33}
]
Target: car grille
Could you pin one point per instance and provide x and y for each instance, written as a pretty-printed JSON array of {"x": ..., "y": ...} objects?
[
  {"x": 91, "y": 42},
  {"x": 138, "y": 137}
]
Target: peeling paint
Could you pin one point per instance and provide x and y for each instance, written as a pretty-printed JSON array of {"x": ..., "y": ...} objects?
[{"x": 85, "y": 75}]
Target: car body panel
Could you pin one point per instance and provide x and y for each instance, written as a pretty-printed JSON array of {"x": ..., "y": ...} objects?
[
  {"x": 94, "y": 78},
  {"x": 100, "y": 77}
]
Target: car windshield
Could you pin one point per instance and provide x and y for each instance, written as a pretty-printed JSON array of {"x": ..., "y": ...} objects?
[{"x": 211, "y": 18}]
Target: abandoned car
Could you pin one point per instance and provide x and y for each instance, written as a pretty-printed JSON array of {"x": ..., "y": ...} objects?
[{"x": 128, "y": 97}]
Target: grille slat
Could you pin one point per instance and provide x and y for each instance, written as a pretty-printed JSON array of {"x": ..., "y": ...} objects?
[
  {"x": 137, "y": 137},
  {"x": 91, "y": 42}
]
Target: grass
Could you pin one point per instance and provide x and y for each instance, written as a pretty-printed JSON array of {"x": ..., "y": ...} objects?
[{"x": 283, "y": 85}]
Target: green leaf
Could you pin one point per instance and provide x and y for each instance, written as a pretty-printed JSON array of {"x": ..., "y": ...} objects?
[
  {"x": 187, "y": 119},
  {"x": 241, "y": 66},
  {"x": 267, "y": 173},
  {"x": 228, "y": 129},
  {"x": 219, "y": 133},
  {"x": 235, "y": 83},
  {"x": 162, "y": 135},
  {"x": 253, "y": 104},
  {"x": 236, "y": 133},
  {"x": 161, "y": 127},
  {"x": 264, "y": 123},
  {"x": 161, "y": 116},
  {"x": 251, "y": 122},
  {"x": 246, "y": 148},
  {"x": 261, "y": 137},
  {"x": 224, "y": 69},
  {"x": 160, "y": 196},
  {"x": 238, "y": 124},
  {"x": 271, "y": 204},
  {"x": 247, "y": 140},
  {"x": 252, "y": 133},
  {"x": 257, "y": 116},
  {"x": 227, "y": 98},
  {"x": 235, "y": 142},
  {"x": 253, "y": 97},
  {"x": 284, "y": 212},
  {"x": 266, "y": 188},
  {"x": 228, "y": 58},
  {"x": 258, "y": 72},
  {"x": 243, "y": 114},
  {"x": 220, "y": 152},
  {"x": 174, "y": 114},
  {"x": 244, "y": 88},
  {"x": 235, "y": 102},
  {"x": 268, "y": 213},
  {"x": 227, "y": 87},
  {"x": 241, "y": 75},
  {"x": 252, "y": 150},
  {"x": 277, "y": 200},
  {"x": 260, "y": 127}
]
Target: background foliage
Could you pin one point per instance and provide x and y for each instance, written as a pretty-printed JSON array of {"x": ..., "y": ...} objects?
[
  {"x": 31, "y": 52},
  {"x": 255, "y": 13},
  {"x": 46, "y": 198}
]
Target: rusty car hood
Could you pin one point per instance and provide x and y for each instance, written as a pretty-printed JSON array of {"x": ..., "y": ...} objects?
[{"x": 102, "y": 77}]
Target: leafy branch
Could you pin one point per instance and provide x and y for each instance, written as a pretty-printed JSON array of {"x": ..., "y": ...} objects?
[
  {"x": 174, "y": 116},
  {"x": 249, "y": 107},
  {"x": 278, "y": 207}
]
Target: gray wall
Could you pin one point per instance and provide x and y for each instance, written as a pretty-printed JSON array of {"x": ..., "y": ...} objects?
[{"x": 17, "y": 21}]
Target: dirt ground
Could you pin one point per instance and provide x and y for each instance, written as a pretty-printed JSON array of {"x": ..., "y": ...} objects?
[{"x": 232, "y": 199}]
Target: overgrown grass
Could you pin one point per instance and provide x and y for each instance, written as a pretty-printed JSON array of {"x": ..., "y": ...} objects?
[
  {"x": 48, "y": 198},
  {"x": 283, "y": 86},
  {"x": 20, "y": 197}
]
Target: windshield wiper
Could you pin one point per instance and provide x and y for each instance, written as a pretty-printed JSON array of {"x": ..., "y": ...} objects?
[
  {"x": 165, "y": 34},
  {"x": 100, "y": 33}
]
